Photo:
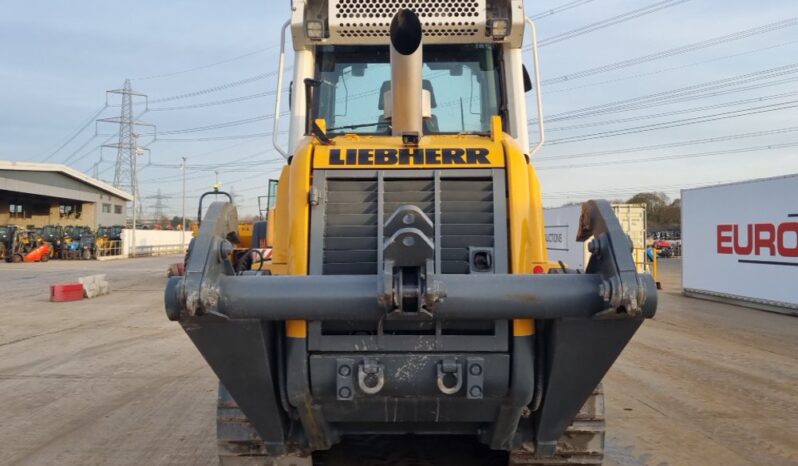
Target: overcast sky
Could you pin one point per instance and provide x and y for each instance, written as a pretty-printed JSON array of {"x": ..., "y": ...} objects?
[{"x": 57, "y": 59}]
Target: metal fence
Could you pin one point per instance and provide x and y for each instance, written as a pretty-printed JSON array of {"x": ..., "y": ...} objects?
[
  {"x": 109, "y": 248},
  {"x": 159, "y": 250},
  {"x": 115, "y": 248}
]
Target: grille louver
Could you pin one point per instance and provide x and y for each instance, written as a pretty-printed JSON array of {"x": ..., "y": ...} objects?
[
  {"x": 350, "y": 224},
  {"x": 466, "y": 220},
  {"x": 350, "y": 230}
]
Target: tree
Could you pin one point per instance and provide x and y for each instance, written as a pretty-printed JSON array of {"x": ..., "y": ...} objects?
[
  {"x": 177, "y": 222},
  {"x": 660, "y": 211},
  {"x": 671, "y": 215},
  {"x": 654, "y": 201}
]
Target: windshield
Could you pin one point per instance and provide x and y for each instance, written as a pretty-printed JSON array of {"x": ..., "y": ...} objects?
[{"x": 463, "y": 81}]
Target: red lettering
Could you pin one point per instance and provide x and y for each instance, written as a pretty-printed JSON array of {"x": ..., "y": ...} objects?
[
  {"x": 724, "y": 241},
  {"x": 738, "y": 248},
  {"x": 784, "y": 249},
  {"x": 764, "y": 242}
]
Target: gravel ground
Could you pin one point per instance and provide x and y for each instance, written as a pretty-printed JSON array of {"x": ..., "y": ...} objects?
[{"x": 112, "y": 381}]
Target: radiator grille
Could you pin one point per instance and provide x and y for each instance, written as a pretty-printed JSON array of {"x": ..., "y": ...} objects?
[
  {"x": 466, "y": 220},
  {"x": 350, "y": 227},
  {"x": 351, "y": 219},
  {"x": 442, "y": 20}
]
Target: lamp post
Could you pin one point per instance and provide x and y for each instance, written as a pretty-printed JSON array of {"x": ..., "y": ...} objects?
[
  {"x": 183, "y": 215},
  {"x": 136, "y": 152}
]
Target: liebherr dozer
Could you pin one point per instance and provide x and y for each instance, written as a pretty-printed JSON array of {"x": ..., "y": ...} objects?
[{"x": 408, "y": 290}]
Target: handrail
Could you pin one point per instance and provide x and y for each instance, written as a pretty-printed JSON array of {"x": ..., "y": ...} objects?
[
  {"x": 538, "y": 92},
  {"x": 280, "y": 69}
]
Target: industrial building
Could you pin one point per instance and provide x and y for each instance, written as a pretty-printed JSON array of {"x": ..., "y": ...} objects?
[{"x": 38, "y": 194}]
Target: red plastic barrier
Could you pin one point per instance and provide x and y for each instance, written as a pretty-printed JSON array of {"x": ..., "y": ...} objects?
[{"x": 66, "y": 292}]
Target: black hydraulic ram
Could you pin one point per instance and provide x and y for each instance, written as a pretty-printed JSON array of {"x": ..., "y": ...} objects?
[{"x": 610, "y": 288}]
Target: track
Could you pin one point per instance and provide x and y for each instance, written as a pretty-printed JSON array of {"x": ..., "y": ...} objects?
[{"x": 582, "y": 444}]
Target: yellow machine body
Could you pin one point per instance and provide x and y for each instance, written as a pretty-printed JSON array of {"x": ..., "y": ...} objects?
[
  {"x": 409, "y": 303},
  {"x": 291, "y": 225}
]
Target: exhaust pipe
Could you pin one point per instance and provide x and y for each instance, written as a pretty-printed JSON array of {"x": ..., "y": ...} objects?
[{"x": 406, "y": 69}]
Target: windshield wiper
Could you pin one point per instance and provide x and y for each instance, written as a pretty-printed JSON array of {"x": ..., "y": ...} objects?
[{"x": 361, "y": 125}]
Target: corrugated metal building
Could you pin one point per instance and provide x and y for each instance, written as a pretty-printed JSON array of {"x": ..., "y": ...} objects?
[{"x": 40, "y": 194}]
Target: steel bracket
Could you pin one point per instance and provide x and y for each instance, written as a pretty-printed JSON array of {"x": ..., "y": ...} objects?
[
  {"x": 198, "y": 292},
  {"x": 621, "y": 287}
]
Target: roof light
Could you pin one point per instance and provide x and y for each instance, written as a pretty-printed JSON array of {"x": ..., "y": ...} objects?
[
  {"x": 498, "y": 28},
  {"x": 314, "y": 29}
]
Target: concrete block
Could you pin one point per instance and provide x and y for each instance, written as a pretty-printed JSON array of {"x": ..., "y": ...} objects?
[{"x": 95, "y": 285}]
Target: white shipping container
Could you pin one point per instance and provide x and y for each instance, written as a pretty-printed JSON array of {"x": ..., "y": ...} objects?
[
  {"x": 562, "y": 224},
  {"x": 740, "y": 242}
]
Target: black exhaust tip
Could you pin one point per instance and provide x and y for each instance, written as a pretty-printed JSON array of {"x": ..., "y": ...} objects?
[{"x": 405, "y": 32}]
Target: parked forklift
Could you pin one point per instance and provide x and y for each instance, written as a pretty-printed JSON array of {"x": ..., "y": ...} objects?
[
  {"x": 24, "y": 246},
  {"x": 53, "y": 234},
  {"x": 409, "y": 291}
]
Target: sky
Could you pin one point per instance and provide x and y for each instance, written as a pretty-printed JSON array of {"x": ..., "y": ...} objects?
[{"x": 696, "y": 111}]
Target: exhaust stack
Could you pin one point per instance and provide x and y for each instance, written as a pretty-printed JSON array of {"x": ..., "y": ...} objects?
[{"x": 406, "y": 67}]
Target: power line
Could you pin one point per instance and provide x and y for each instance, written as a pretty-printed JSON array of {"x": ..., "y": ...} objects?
[
  {"x": 77, "y": 132},
  {"x": 226, "y": 124},
  {"x": 210, "y": 65},
  {"x": 673, "y": 68},
  {"x": 674, "y": 51},
  {"x": 105, "y": 143},
  {"x": 232, "y": 166},
  {"x": 672, "y": 157},
  {"x": 623, "y": 17},
  {"x": 217, "y": 138},
  {"x": 678, "y": 123},
  {"x": 86, "y": 154},
  {"x": 218, "y": 88},
  {"x": 242, "y": 161},
  {"x": 216, "y": 102},
  {"x": 634, "y": 189},
  {"x": 80, "y": 148},
  {"x": 670, "y": 96},
  {"x": 217, "y": 150},
  {"x": 668, "y": 145},
  {"x": 559, "y": 9},
  {"x": 685, "y": 98},
  {"x": 673, "y": 112}
]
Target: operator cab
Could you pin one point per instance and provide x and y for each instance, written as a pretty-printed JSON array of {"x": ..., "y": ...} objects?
[
  {"x": 462, "y": 83},
  {"x": 471, "y": 70}
]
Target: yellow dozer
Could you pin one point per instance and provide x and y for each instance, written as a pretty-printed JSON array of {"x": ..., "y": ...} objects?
[{"x": 409, "y": 291}]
